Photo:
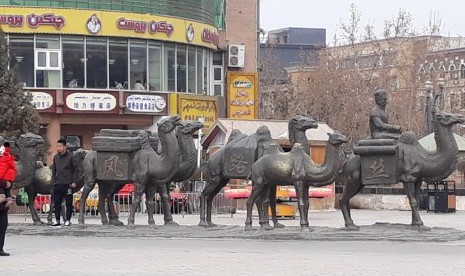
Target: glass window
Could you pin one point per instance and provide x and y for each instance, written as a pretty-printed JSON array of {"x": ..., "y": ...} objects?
[
  {"x": 192, "y": 71},
  {"x": 138, "y": 65},
  {"x": 48, "y": 78},
  {"x": 118, "y": 63},
  {"x": 218, "y": 58},
  {"x": 96, "y": 62},
  {"x": 22, "y": 56},
  {"x": 48, "y": 42},
  {"x": 181, "y": 68},
  {"x": 170, "y": 73},
  {"x": 200, "y": 71},
  {"x": 42, "y": 59},
  {"x": 155, "y": 67},
  {"x": 73, "y": 62}
]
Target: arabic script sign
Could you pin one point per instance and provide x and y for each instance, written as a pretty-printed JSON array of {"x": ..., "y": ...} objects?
[
  {"x": 42, "y": 100},
  {"x": 33, "y": 20},
  {"x": 147, "y": 103},
  {"x": 242, "y": 95},
  {"x": 193, "y": 109},
  {"x": 95, "y": 102}
]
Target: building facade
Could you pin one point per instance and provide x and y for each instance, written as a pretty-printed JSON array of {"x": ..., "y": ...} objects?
[{"x": 93, "y": 64}]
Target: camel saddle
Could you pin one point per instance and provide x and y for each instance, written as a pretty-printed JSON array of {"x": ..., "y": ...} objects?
[
  {"x": 114, "y": 153},
  {"x": 379, "y": 161},
  {"x": 239, "y": 156}
]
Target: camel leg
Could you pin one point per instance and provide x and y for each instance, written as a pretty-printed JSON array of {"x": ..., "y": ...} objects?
[
  {"x": 207, "y": 190},
  {"x": 206, "y": 198},
  {"x": 410, "y": 188},
  {"x": 352, "y": 188},
  {"x": 150, "y": 201},
  {"x": 254, "y": 197},
  {"x": 299, "y": 188},
  {"x": 88, "y": 187},
  {"x": 210, "y": 198},
  {"x": 102, "y": 196},
  {"x": 140, "y": 188},
  {"x": 306, "y": 206},
  {"x": 112, "y": 216},
  {"x": 273, "y": 202},
  {"x": 31, "y": 194},
  {"x": 264, "y": 202},
  {"x": 165, "y": 200}
]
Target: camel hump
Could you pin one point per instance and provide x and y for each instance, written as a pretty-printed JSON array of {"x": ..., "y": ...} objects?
[
  {"x": 298, "y": 147},
  {"x": 408, "y": 138}
]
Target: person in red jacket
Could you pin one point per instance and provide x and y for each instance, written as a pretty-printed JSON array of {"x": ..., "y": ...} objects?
[
  {"x": 7, "y": 173},
  {"x": 7, "y": 176}
]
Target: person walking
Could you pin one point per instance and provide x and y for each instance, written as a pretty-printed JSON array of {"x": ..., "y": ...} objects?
[
  {"x": 3, "y": 219},
  {"x": 7, "y": 176},
  {"x": 64, "y": 179}
]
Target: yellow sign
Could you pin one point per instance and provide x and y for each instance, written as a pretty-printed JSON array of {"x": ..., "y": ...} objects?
[
  {"x": 242, "y": 95},
  {"x": 106, "y": 23},
  {"x": 195, "y": 107}
]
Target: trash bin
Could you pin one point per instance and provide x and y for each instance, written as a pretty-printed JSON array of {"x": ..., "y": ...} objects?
[{"x": 441, "y": 196}]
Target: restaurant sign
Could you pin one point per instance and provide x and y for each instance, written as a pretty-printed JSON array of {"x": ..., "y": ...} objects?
[
  {"x": 156, "y": 104},
  {"x": 90, "y": 102}
]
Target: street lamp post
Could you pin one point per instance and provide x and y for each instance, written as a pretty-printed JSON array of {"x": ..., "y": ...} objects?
[{"x": 432, "y": 99}]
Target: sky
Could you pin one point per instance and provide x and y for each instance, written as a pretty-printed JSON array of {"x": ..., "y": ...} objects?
[{"x": 276, "y": 14}]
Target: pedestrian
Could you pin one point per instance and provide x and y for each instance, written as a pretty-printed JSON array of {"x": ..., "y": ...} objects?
[
  {"x": 7, "y": 172},
  {"x": 7, "y": 176},
  {"x": 64, "y": 177}
]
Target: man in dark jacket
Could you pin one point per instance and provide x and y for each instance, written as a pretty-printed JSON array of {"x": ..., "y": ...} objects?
[
  {"x": 3, "y": 218},
  {"x": 64, "y": 179}
]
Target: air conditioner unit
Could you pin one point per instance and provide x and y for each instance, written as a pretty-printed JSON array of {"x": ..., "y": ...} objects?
[{"x": 236, "y": 55}]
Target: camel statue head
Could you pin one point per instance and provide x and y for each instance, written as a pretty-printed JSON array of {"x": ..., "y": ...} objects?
[
  {"x": 189, "y": 127},
  {"x": 30, "y": 140},
  {"x": 303, "y": 123},
  {"x": 337, "y": 138},
  {"x": 168, "y": 124},
  {"x": 447, "y": 119}
]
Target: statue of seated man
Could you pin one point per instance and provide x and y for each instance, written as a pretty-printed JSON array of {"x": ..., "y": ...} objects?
[{"x": 379, "y": 119}]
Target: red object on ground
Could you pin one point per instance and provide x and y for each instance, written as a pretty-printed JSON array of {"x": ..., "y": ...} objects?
[
  {"x": 127, "y": 189},
  {"x": 40, "y": 200}
]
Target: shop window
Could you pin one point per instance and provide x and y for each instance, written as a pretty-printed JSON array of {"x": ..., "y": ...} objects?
[
  {"x": 118, "y": 62},
  {"x": 200, "y": 71},
  {"x": 170, "y": 72},
  {"x": 96, "y": 62},
  {"x": 47, "y": 65},
  {"x": 218, "y": 80},
  {"x": 155, "y": 69},
  {"x": 181, "y": 71},
  {"x": 73, "y": 65},
  {"x": 48, "y": 42},
  {"x": 138, "y": 65},
  {"x": 21, "y": 52},
  {"x": 192, "y": 80},
  {"x": 218, "y": 58}
]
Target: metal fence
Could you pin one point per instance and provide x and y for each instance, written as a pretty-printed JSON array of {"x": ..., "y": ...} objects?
[{"x": 180, "y": 203}]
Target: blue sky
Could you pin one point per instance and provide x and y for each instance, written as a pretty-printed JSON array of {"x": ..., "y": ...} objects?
[{"x": 328, "y": 13}]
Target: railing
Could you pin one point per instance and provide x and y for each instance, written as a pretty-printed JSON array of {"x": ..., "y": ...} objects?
[
  {"x": 182, "y": 203},
  {"x": 200, "y": 10}
]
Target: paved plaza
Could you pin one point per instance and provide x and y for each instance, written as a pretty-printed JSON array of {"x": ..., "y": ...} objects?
[{"x": 377, "y": 249}]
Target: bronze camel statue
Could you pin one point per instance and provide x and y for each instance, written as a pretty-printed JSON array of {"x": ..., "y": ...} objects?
[
  {"x": 292, "y": 168},
  {"x": 416, "y": 164}
]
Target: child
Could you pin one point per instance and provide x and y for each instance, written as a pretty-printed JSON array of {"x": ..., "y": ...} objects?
[{"x": 7, "y": 172}]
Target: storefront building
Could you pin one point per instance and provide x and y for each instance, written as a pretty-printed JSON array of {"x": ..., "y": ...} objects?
[{"x": 125, "y": 64}]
